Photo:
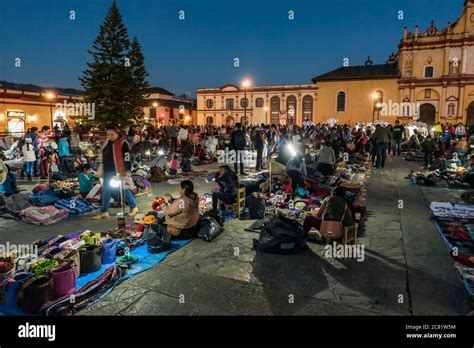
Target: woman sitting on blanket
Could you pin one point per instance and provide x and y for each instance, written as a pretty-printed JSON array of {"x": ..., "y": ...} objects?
[{"x": 182, "y": 213}]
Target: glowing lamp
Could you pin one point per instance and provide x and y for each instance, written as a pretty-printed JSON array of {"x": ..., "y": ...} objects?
[
  {"x": 116, "y": 181},
  {"x": 291, "y": 149}
]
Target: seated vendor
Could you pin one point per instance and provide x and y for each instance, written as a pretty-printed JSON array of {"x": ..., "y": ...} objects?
[
  {"x": 7, "y": 179},
  {"x": 228, "y": 183},
  {"x": 56, "y": 174},
  {"x": 336, "y": 207},
  {"x": 296, "y": 170},
  {"x": 86, "y": 180},
  {"x": 183, "y": 212}
]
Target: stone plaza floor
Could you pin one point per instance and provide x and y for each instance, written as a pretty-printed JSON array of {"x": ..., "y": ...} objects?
[{"x": 407, "y": 269}]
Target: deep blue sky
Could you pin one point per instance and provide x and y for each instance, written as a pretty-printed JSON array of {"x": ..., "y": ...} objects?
[{"x": 198, "y": 52}]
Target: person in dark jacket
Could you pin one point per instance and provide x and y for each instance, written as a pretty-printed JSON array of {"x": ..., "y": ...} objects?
[
  {"x": 336, "y": 207},
  {"x": 228, "y": 183},
  {"x": 259, "y": 146},
  {"x": 238, "y": 141},
  {"x": 382, "y": 137},
  {"x": 116, "y": 159},
  {"x": 428, "y": 147}
]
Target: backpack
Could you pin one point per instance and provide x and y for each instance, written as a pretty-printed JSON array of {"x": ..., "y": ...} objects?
[
  {"x": 280, "y": 235},
  {"x": 239, "y": 140}
]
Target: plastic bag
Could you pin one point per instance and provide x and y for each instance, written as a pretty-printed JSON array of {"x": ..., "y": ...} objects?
[
  {"x": 209, "y": 228},
  {"x": 157, "y": 238}
]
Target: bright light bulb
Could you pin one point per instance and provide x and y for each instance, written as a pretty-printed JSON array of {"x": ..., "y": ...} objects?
[
  {"x": 291, "y": 149},
  {"x": 115, "y": 181}
]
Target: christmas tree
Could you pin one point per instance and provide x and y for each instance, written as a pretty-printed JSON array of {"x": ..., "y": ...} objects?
[{"x": 111, "y": 81}]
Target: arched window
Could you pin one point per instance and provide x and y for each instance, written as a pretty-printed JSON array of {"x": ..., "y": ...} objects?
[
  {"x": 275, "y": 110},
  {"x": 209, "y": 103},
  {"x": 244, "y": 102},
  {"x": 229, "y": 104},
  {"x": 451, "y": 109},
  {"x": 307, "y": 107},
  {"x": 341, "y": 102},
  {"x": 429, "y": 71},
  {"x": 259, "y": 102},
  {"x": 210, "y": 120},
  {"x": 244, "y": 120}
]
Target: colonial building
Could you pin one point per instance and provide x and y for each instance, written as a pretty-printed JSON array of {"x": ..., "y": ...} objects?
[
  {"x": 256, "y": 104},
  {"x": 23, "y": 106},
  {"x": 164, "y": 107},
  {"x": 431, "y": 78}
]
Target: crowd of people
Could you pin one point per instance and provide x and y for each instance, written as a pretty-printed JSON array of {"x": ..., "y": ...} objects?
[{"x": 51, "y": 155}]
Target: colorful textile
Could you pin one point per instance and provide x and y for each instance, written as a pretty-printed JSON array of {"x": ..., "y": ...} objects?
[
  {"x": 46, "y": 197},
  {"x": 43, "y": 215},
  {"x": 75, "y": 206}
]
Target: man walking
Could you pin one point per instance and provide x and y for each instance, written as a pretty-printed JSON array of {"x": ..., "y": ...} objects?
[
  {"x": 238, "y": 142},
  {"x": 382, "y": 137},
  {"x": 398, "y": 136},
  {"x": 116, "y": 159}
]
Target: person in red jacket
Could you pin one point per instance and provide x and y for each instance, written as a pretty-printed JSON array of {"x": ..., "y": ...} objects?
[{"x": 116, "y": 159}]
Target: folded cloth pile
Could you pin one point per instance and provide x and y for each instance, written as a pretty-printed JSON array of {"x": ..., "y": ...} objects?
[
  {"x": 46, "y": 197},
  {"x": 76, "y": 206},
  {"x": 43, "y": 215},
  {"x": 444, "y": 209}
]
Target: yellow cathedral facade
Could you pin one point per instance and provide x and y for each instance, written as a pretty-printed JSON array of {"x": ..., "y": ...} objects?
[{"x": 430, "y": 79}]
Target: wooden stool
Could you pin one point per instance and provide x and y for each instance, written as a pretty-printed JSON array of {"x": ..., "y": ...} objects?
[
  {"x": 239, "y": 204},
  {"x": 350, "y": 235}
]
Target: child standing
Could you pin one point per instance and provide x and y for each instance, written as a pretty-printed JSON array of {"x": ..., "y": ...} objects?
[
  {"x": 174, "y": 165},
  {"x": 29, "y": 157},
  {"x": 63, "y": 151}
]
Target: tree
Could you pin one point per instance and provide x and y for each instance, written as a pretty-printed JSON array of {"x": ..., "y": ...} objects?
[
  {"x": 109, "y": 80},
  {"x": 139, "y": 83}
]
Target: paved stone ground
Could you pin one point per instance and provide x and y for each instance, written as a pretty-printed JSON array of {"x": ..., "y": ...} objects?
[{"x": 406, "y": 271}]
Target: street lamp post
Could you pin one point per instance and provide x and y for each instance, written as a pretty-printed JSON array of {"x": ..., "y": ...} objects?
[
  {"x": 50, "y": 97},
  {"x": 245, "y": 84},
  {"x": 376, "y": 99}
]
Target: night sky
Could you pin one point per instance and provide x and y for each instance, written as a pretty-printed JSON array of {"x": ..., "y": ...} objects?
[{"x": 199, "y": 51}]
